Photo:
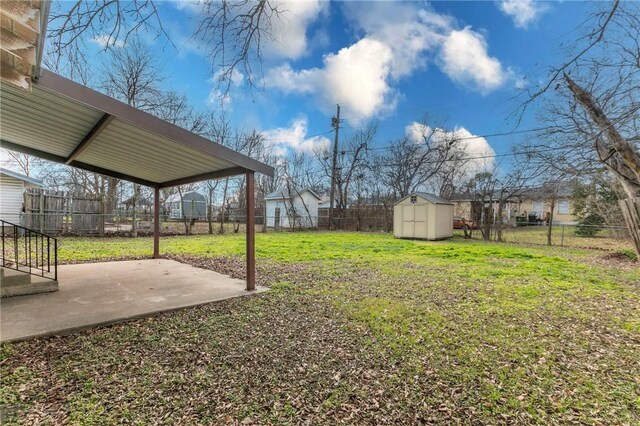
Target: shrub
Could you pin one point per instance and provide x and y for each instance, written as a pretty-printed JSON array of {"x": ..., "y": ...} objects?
[{"x": 589, "y": 225}]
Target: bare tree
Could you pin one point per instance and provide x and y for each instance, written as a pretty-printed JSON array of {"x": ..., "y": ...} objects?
[
  {"x": 482, "y": 188},
  {"x": 230, "y": 32},
  {"x": 596, "y": 108},
  {"x": 512, "y": 184},
  {"x": 297, "y": 176},
  {"x": 552, "y": 188},
  {"x": 18, "y": 160},
  {"x": 411, "y": 164},
  {"x": 131, "y": 75},
  {"x": 351, "y": 163}
]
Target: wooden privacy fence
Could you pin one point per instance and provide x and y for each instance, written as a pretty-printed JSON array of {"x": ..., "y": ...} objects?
[
  {"x": 58, "y": 212},
  {"x": 358, "y": 218}
]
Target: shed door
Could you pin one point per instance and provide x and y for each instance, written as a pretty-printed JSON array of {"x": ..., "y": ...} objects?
[
  {"x": 408, "y": 220},
  {"x": 420, "y": 220},
  {"x": 276, "y": 223}
]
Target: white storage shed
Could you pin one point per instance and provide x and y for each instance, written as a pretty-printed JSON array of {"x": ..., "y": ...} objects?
[
  {"x": 12, "y": 186},
  {"x": 293, "y": 209},
  {"x": 193, "y": 205},
  {"x": 423, "y": 216}
]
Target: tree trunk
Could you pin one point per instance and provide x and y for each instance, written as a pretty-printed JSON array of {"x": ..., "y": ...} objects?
[
  {"x": 134, "y": 224},
  {"x": 499, "y": 221},
  {"x": 631, "y": 212},
  {"x": 224, "y": 205},
  {"x": 623, "y": 148},
  {"x": 550, "y": 224},
  {"x": 486, "y": 226},
  {"x": 210, "y": 212},
  {"x": 622, "y": 158},
  {"x": 112, "y": 187}
]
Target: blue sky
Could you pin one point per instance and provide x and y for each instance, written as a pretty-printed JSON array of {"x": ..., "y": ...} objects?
[{"x": 459, "y": 62}]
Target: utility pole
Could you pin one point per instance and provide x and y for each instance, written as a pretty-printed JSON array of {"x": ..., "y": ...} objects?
[{"x": 335, "y": 123}]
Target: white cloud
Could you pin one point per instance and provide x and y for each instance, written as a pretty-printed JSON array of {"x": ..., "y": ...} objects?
[
  {"x": 107, "y": 41},
  {"x": 294, "y": 137},
  {"x": 285, "y": 23},
  {"x": 406, "y": 29},
  {"x": 480, "y": 153},
  {"x": 289, "y": 28},
  {"x": 464, "y": 58},
  {"x": 193, "y": 6},
  {"x": 397, "y": 39},
  {"x": 219, "y": 98},
  {"x": 523, "y": 12},
  {"x": 356, "y": 77},
  {"x": 223, "y": 98},
  {"x": 289, "y": 80},
  {"x": 237, "y": 78}
]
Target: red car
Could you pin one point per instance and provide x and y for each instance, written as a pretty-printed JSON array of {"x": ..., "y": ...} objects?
[{"x": 458, "y": 223}]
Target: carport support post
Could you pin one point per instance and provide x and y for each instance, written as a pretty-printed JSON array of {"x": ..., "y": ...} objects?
[
  {"x": 156, "y": 222},
  {"x": 251, "y": 232}
]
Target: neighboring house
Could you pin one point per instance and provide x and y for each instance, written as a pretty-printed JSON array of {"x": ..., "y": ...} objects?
[
  {"x": 192, "y": 207},
  {"x": 324, "y": 202},
  {"x": 295, "y": 209},
  {"x": 470, "y": 206},
  {"x": 533, "y": 202},
  {"x": 12, "y": 186},
  {"x": 537, "y": 202}
]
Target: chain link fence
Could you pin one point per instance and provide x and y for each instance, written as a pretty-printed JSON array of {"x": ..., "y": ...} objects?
[
  {"x": 610, "y": 238},
  {"x": 598, "y": 237},
  {"x": 94, "y": 224}
]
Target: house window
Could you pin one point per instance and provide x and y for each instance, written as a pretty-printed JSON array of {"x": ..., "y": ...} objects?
[
  {"x": 563, "y": 207},
  {"x": 538, "y": 208},
  {"x": 414, "y": 199}
]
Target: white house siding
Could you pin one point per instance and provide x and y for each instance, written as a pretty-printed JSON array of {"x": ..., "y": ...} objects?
[
  {"x": 309, "y": 215},
  {"x": 305, "y": 219},
  {"x": 272, "y": 206},
  {"x": 11, "y": 199}
]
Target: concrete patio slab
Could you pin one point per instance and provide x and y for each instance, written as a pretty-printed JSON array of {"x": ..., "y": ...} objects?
[{"x": 102, "y": 293}]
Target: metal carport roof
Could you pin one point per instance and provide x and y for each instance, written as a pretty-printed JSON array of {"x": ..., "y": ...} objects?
[{"x": 65, "y": 122}]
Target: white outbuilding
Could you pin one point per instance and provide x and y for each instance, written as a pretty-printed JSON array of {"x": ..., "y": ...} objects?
[
  {"x": 292, "y": 209},
  {"x": 12, "y": 186},
  {"x": 423, "y": 216},
  {"x": 192, "y": 205}
]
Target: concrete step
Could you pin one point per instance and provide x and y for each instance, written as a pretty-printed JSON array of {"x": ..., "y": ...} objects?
[
  {"x": 11, "y": 277},
  {"x": 17, "y": 283}
]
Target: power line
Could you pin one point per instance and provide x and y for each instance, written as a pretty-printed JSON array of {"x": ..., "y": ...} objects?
[
  {"x": 462, "y": 159},
  {"x": 490, "y": 135},
  {"x": 301, "y": 139}
]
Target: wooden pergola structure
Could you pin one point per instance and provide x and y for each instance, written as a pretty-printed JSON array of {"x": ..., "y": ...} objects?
[{"x": 62, "y": 121}]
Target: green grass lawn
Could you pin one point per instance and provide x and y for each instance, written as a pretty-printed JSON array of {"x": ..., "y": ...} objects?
[{"x": 358, "y": 328}]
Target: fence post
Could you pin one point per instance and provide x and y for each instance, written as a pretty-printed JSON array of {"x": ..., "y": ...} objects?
[
  {"x": 101, "y": 221},
  {"x": 67, "y": 212},
  {"x": 42, "y": 195},
  {"x": 562, "y": 237}
]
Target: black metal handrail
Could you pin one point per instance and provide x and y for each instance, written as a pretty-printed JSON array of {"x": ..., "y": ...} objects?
[{"x": 29, "y": 251}]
